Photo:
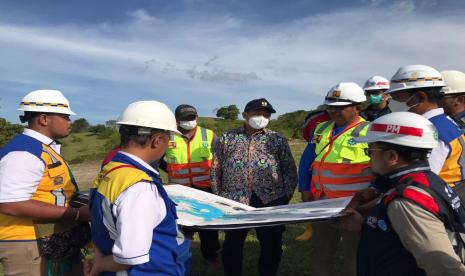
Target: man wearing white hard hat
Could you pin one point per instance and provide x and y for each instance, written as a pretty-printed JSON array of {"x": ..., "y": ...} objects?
[
  {"x": 36, "y": 185},
  {"x": 416, "y": 228},
  {"x": 417, "y": 88},
  {"x": 378, "y": 101},
  {"x": 453, "y": 96},
  {"x": 133, "y": 219},
  {"x": 334, "y": 166}
]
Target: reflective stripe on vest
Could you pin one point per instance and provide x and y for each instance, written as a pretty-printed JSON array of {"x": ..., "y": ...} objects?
[
  {"x": 189, "y": 163},
  {"x": 341, "y": 167}
]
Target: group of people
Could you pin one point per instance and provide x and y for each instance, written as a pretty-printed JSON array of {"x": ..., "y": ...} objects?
[
  {"x": 404, "y": 171},
  {"x": 401, "y": 159},
  {"x": 133, "y": 220}
]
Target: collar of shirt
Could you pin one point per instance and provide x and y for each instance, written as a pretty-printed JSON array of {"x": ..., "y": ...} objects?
[
  {"x": 244, "y": 131},
  {"x": 140, "y": 161},
  {"x": 43, "y": 139},
  {"x": 433, "y": 112}
]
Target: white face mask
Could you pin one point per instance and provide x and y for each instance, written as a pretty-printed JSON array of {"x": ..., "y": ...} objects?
[
  {"x": 397, "y": 106},
  {"x": 258, "y": 122},
  {"x": 188, "y": 125}
]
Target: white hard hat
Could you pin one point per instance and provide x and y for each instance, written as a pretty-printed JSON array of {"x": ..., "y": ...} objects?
[
  {"x": 402, "y": 128},
  {"x": 149, "y": 114},
  {"x": 44, "y": 100},
  {"x": 376, "y": 83},
  {"x": 455, "y": 82},
  {"x": 415, "y": 76},
  {"x": 345, "y": 93}
]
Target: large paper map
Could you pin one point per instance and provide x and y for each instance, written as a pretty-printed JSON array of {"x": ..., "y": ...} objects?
[{"x": 200, "y": 209}]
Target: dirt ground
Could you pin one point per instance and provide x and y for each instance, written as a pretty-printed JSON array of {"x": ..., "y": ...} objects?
[{"x": 85, "y": 173}]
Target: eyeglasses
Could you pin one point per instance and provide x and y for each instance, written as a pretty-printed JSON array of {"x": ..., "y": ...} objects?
[{"x": 369, "y": 151}]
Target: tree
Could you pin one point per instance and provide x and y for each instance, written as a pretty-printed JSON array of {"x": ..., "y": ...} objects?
[
  {"x": 229, "y": 112},
  {"x": 111, "y": 124},
  {"x": 8, "y": 130},
  {"x": 80, "y": 125},
  {"x": 289, "y": 124},
  {"x": 97, "y": 129}
]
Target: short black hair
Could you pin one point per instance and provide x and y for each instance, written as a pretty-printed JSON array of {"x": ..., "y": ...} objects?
[
  {"x": 408, "y": 154},
  {"x": 133, "y": 134},
  {"x": 433, "y": 94},
  {"x": 28, "y": 116}
]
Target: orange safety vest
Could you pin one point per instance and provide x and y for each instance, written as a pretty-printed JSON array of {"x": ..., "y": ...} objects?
[
  {"x": 56, "y": 187},
  {"x": 189, "y": 162},
  {"x": 341, "y": 166}
]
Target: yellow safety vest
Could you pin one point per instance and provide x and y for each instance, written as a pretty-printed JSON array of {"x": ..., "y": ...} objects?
[
  {"x": 189, "y": 162},
  {"x": 341, "y": 167},
  {"x": 56, "y": 187}
]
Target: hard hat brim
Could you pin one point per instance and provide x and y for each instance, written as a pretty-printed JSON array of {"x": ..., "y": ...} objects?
[
  {"x": 330, "y": 103},
  {"x": 410, "y": 88},
  {"x": 175, "y": 130}
]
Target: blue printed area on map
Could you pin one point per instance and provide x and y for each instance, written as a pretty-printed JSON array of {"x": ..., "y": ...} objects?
[{"x": 198, "y": 209}]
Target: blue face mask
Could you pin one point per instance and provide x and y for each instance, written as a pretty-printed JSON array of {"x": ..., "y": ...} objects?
[{"x": 375, "y": 99}]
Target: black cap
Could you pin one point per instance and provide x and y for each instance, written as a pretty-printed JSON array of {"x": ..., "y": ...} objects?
[
  {"x": 261, "y": 103},
  {"x": 184, "y": 110}
]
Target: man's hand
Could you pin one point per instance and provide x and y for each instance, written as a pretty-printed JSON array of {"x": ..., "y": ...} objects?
[
  {"x": 92, "y": 267},
  {"x": 307, "y": 196},
  {"x": 84, "y": 213},
  {"x": 350, "y": 220}
]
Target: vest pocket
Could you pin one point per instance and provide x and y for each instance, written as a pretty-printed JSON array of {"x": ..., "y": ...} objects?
[{"x": 57, "y": 175}]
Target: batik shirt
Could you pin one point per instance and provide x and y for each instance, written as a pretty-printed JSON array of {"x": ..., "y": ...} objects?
[{"x": 261, "y": 163}]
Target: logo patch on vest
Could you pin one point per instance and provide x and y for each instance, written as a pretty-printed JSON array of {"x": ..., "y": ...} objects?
[
  {"x": 382, "y": 225},
  {"x": 316, "y": 139},
  {"x": 371, "y": 221},
  {"x": 351, "y": 142},
  {"x": 171, "y": 144},
  {"x": 58, "y": 180}
]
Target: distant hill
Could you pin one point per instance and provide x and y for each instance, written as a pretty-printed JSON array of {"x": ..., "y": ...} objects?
[{"x": 288, "y": 124}]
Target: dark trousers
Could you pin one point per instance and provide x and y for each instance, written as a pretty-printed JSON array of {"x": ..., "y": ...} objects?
[
  {"x": 270, "y": 239},
  {"x": 209, "y": 244}
]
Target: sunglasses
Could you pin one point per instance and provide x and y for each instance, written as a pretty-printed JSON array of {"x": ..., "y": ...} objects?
[{"x": 369, "y": 151}]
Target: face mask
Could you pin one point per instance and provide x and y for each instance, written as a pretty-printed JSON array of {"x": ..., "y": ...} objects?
[
  {"x": 258, "y": 122},
  {"x": 397, "y": 106},
  {"x": 375, "y": 99},
  {"x": 188, "y": 125}
]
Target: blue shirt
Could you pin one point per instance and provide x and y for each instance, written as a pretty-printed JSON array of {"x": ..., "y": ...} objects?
[{"x": 308, "y": 156}]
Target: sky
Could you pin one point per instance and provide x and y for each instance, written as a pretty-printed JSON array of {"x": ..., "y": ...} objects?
[{"x": 106, "y": 54}]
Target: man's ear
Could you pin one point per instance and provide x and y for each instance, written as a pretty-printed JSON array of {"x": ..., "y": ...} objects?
[
  {"x": 245, "y": 116},
  {"x": 421, "y": 96},
  {"x": 155, "y": 141},
  {"x": 461, "y": 99},
  {"x": 392, "y": 157},
  {"x": 43, "y": 120}
]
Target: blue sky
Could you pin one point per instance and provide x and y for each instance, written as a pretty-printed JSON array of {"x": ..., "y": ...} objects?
[{"x": 105, "y": 54}]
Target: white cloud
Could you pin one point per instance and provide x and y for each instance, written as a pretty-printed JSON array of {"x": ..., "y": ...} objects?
[
  {"x": 214, "y": 59},
  {"x": 402, "y": 7}
]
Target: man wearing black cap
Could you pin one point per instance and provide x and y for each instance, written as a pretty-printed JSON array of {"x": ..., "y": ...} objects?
[
  {"x": 254, "y": 165},
  {"x": 187, "y": 162}
]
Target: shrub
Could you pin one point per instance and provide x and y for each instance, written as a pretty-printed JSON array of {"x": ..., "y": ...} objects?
[{"x": 8, "y": 131}]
